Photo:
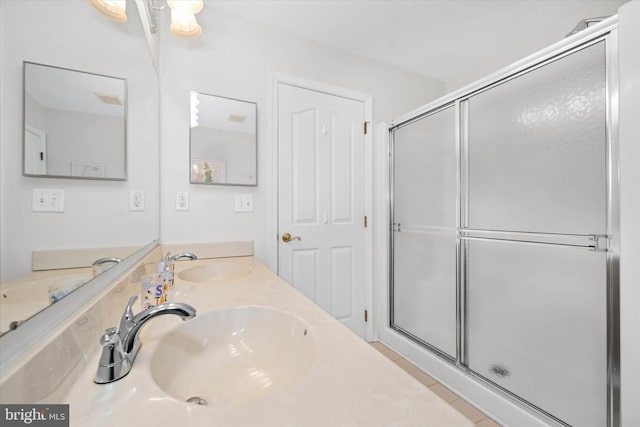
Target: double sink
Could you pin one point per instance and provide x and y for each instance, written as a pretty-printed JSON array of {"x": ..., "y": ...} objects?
[{"x": 258, "y": 353}]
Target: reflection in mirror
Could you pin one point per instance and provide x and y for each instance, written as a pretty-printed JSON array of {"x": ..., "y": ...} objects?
[
  {"x": 74, "y": 124},
  {"x": 56, "y": 273},
  {"x": 27, "y": 295},
  {"x": 223, "y": 140},
  {"x": 45, "y": 256}
]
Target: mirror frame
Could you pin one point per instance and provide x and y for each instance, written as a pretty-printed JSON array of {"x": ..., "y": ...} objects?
[
  {"x": 255, "y": 104},
  {"x": 45, "y": 323},
  {"x": 24, "y": 125}
]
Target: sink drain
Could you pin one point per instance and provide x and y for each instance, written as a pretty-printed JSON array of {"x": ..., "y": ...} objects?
[{"x": 197, "y": 400}]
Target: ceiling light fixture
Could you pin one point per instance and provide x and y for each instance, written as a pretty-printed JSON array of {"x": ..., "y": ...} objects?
[
  {"x": 194, "y": 109},
  {"x": 114, "y": 9},
  {"x": 191, "y": 6},
  {"x": 183, "y": 14},
  {"x": 183, "y": 19}
]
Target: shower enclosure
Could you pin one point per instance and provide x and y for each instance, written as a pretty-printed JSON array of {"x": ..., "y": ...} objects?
[{"x": 504, "y": 234}]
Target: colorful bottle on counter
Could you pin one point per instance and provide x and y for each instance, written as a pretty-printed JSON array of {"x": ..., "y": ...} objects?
[{"x": 154, "y": 290}]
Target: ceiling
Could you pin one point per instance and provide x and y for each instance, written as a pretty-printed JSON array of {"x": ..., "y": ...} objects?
[
  {"x": 71, "y": 90},
  {"x": 215, "y": 112},
  {"x": 455, "y": 41}
]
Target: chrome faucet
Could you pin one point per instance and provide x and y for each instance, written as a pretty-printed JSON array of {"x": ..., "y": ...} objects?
[
  {"x": 107, "y": 260},
  {"x": 120, "y": 345},
  {"x": 180, "y": 255}
]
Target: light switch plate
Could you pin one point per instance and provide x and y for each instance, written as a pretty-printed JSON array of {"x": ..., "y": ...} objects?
[
  {"x": 244, "y": 202},
  {"x": 47, "y": 200}
]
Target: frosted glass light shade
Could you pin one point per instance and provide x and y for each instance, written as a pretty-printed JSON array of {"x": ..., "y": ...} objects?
[
  {"x": 184, "y": 24},
  {"x": 191, "y": 6},
  {"x": 114, "y": 9}
]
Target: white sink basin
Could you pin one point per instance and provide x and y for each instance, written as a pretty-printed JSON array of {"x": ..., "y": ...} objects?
[
  {"x": 215, "y": 272},
  {"x": 232, "y": 356}
]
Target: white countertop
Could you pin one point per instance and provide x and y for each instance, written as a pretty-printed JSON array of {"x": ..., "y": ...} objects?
[{"x": 348, "y": 384}]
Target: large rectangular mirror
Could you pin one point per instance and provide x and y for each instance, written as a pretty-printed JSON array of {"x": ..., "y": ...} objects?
[
  {"x": 74, "y": 124},
  {"x": 223, "y": 141},
  {"x": 44, "y": 255}
]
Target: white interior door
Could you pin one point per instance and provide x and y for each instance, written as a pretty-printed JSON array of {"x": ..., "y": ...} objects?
[
  {"x": 35, "y": 150},
  {"x": 321, "y": 200}
]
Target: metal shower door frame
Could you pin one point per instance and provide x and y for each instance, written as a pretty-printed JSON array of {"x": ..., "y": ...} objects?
[{"x": 609, "y": 243}]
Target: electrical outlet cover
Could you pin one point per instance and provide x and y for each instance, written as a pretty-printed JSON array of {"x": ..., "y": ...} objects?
[
  {"x": 182, "y": 201},
  {"x": 136, "y": 200}
]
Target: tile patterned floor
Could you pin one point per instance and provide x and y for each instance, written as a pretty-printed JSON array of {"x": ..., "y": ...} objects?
[{"x": 459, "y": 404}]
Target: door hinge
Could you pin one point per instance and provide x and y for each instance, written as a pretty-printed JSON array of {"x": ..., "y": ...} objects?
[
  {"x": 366, "y": 315},
  {"x": 41, "y": 155},
  {"x": 365, "y": 221},
  {"x": 365, "y": 128}
]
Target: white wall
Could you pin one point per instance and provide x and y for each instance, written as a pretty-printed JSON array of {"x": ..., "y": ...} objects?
[
  {"x": 72, "y": 34},
  {"x": 236, "y": 148},
  {"x": 35, "y": 112},
  {"x": 528, "y": 43},
  {"x": 75, "y": 136},
  {"x": 236, "y": 58}
]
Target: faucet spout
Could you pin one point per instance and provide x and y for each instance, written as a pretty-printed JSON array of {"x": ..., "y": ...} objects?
[
  {"x": 176, "y": 257},
  {"x": 107, "y": 260},
  {"x": 120, "y": 345},
  {"x": 130, "y": 338}
]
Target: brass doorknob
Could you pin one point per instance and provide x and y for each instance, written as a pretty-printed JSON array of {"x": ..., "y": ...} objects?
[{"x": 286, "y": 237}]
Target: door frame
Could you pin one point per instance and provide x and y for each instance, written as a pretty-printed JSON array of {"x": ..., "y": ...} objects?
[
  {"x": 367, "y": 100},
  {"x": 43, "y": 139}
]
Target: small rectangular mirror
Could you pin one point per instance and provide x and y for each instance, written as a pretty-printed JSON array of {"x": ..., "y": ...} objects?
[
  {"x": 223, "y": 141},
  {"x": 74, "y": 124}
]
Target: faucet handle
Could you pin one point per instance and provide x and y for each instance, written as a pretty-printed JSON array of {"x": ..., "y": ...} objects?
[
  {"x": 113, "y": 362},
  {"x": 127, "y": 316},
  {"x": 110, "y": 336},
  {"x": 111, "y": 342}
]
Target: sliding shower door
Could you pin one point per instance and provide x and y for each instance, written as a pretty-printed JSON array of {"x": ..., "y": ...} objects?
[
  {"x": 537, "y": 325},
  {"x": 536, "y": 212},
  {"x": 424, "y": 236},
  {"x": 505, "y": 237}
]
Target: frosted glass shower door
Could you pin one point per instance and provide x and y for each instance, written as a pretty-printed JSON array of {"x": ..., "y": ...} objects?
[
  {"x": 537, "y": 147},
  {"x": 536, "y": 325},
  {"x": 424, "y": 237},
  {"x": 536, "y": 213}
]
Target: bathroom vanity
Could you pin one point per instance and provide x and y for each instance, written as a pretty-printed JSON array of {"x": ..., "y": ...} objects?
[{"x": 257, "y": 353}]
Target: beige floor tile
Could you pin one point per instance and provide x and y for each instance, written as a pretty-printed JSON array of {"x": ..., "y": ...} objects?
[
  {"x": 444, "y": 393},
  {"x": 406, "y": 365},
  {"x": 460, "y": 405},
  {"x": 379, "y": 346},
  {"x": 468, "y": 410},
  {"x": 390, "y": 354},
  {"x": 487, "y": 422},
  {"x": 424, "y": 378}
]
